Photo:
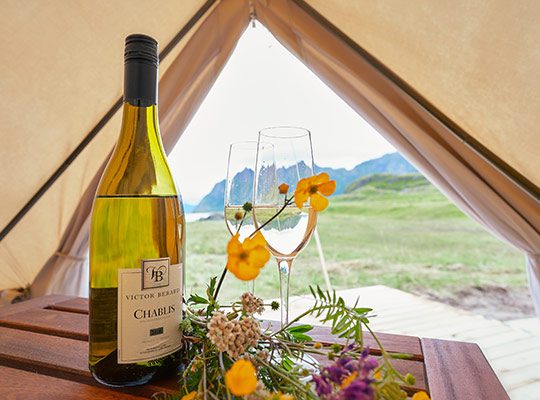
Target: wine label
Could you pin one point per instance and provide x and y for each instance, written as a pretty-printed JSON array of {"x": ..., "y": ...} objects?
[{"x": 149, "y": 311}]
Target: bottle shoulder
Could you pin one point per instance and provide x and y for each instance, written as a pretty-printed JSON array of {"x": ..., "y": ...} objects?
[
  {"x": 138, "y": 165},
  {"x": 150, "y": 176}
]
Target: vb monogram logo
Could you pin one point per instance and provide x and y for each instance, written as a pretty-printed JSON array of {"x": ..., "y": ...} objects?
[{"x": 155, "y": 273}]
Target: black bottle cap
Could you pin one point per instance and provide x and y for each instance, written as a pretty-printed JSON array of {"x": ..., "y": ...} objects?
[
  {"x": 140, "y": 70},
  {"x": 141, "y": 48}
]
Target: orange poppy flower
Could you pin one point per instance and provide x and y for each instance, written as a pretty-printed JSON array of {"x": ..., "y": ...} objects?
[
  {"x": 421, "y": 395},
  {"x": 246, "y": 259},
  {"x": 314, "y": 188},
  {"x": 241, "y": 379}
]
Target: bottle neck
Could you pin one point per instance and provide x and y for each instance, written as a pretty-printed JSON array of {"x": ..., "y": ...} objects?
[
  {"x": 140, "y": 116},
  {"x": 140, "y": 84},
  {"x": 140, "y": 126}
]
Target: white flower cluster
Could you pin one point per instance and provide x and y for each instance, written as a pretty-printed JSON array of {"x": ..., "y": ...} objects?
[
  {"x": 233, "y": 337},
  {"x": 252, "y": 304}
]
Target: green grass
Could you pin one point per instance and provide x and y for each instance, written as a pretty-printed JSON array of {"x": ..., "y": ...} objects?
[{"x": 403, "y": 235}]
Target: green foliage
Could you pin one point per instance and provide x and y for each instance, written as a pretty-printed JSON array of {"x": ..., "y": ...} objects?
[
  {"x": 346, "y": 321},
  {"x": 279, "y": 370}
]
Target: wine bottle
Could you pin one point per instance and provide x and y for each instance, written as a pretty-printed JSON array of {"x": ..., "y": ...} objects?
[{"x": 136, "y": 241}]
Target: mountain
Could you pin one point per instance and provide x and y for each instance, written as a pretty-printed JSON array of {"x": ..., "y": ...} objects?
[
  {"x": 392, "y": 163},
  {"x": 189, "y": 207},
  {"x": 213, "y": 201}
]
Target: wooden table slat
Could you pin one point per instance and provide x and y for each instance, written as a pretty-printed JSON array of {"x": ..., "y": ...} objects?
[
  {"x": 60, "y": 357},
  {"x": 51, "y": 322},
  {"x": 39, "y": 302},
  {"x": 391, "y": 343},
  {"x": 17, "y": 384},
  {"x": 457, "y": 370},
  {"x": 75, "y": 305}
]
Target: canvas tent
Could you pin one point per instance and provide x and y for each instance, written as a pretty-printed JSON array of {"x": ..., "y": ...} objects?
[{"x": 453, "y": 85}]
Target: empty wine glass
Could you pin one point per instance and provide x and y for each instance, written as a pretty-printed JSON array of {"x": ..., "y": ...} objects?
[
  {"x": 288, "y": 160},
  {"x": 239, "y": 190}
]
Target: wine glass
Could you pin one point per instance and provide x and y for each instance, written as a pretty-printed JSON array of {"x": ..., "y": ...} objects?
[
  {"x": 239, "y": 190},
  {"x": 289, "y": 160}
]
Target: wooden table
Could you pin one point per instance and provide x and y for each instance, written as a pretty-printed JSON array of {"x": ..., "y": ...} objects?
[{"x": 43, "y": 355}]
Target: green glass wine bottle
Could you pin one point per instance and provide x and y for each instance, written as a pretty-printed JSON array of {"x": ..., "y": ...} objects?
[{"x": 136, "y": 241}]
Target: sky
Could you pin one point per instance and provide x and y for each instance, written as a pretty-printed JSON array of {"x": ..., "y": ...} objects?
[{"x": 264, "y": 85}]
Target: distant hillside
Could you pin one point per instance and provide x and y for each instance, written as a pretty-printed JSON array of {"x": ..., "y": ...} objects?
[
  {"x": 389, "y": 182},
  {"x": 406, "y": 196},
  {"x": 392, "y": 163}
]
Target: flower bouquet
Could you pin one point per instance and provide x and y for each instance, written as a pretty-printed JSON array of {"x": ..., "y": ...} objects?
[{"x": 233, "y": 355}]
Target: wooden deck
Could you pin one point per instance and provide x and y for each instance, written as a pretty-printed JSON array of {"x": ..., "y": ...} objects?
[{"x": 512, "y": 348}]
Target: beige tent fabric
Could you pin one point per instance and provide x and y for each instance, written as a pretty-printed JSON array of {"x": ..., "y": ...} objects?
[
  {"x": 454, "y": 54},
  {"x": 476, "y": 186},
  {"x": 181, "y": 90},
  {"x": 61, "y": 71},
  {"x": 477, "y": 61},
  {"x": 60, "y": 85}
]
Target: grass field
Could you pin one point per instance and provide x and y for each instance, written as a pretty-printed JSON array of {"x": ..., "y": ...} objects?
[{"x": 401, "y": 233}]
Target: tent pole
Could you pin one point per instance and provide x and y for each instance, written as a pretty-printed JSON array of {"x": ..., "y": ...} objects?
[{"x": 323, "y": 261}]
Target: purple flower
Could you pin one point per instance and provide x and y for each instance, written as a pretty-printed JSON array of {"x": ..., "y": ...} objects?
[
  {"x": 331, "y": 384},
  {"x": 359, "y": 389},
  {"x": 322, "y": 386},
  {"x": 337, "y": 371},
  {"x": 369, "y": 365}
]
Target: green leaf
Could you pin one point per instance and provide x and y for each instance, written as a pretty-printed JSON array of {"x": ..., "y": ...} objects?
[
  {"x": 287, "y": 363},
  {"x": 196, "y": 299},
  {"x": 300, "y": 328},
  {"x": 211, "y": 288},
  {"x": 363, "y": 310},
  {"x": 301, "y": 337}
]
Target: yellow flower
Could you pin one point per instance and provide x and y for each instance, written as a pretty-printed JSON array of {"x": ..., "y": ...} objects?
[
  {"x": 378, "y": 375},
  {"x": 241, "y": 379},
  {"x": 348, "y": 380},
  {"x": 421, "y": 395},
  {"x": 246, "y": 259},
  {"x": 314, "y": 188},
  {"x": 286, "y": 397},
  {"x": 283, "y": 188},
  {"x": 189, "y": 396}
]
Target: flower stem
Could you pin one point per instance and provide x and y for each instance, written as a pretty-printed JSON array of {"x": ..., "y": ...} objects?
[
  {"x": 287, "y": 202},
  {"x": 221, "y": 278}
]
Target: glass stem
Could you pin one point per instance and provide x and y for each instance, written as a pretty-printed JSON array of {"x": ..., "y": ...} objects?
[
  {"x": 284, "y": 266},
  {"x": 250, "y": 287}
]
